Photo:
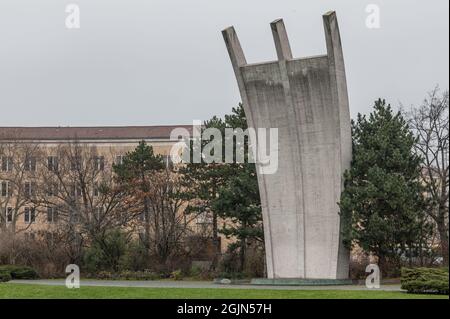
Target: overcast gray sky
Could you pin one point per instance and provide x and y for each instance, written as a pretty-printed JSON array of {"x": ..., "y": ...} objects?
[{"x": 136, "y": 62}]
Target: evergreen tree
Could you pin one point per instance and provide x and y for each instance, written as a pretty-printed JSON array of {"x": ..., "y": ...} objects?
[
  {"x": 138, "y": 163},
  {"x": 229, "y": 191},
  {"x": 382, "y": 203},
  {"x": 201, "y": 182},
  {"x": 238, "y": 200},
  {"x": 134, "y": 174}
]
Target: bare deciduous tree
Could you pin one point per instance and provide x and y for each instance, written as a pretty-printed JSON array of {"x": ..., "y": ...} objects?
[
  {"x": 78, "y": 186},
  {"x": 430, "y": 122},
  {"x": 169, "y": 225}
]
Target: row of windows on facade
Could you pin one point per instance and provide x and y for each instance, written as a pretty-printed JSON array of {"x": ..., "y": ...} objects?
[
  {"x": 49, "y": 236},
  {"x": 30, "y": 165},
  {"x": 29, "y": 190},
  {"x": 29, "y": 215},
  {"x": 7, "y": 163}
]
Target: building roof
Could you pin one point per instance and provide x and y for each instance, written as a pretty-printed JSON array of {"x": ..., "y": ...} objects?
[{"x": 89, "y": 133}]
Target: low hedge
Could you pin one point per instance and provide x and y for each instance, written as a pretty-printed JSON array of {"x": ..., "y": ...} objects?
[
  {"x": 19, "y": 272},
  {"x": 125, "y": 275},
  {"x": 5, "y": 276},
  {"x": 425, "y": 280}
]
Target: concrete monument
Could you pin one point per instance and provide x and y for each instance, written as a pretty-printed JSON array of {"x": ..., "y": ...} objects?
[{"x": 306, "y": 99}]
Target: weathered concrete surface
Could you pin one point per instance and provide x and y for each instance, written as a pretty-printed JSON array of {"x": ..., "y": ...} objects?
[{"x": 306, "y": 99}]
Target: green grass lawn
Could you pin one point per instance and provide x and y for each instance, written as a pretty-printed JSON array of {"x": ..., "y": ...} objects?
[{"x": 26, "y": 291}]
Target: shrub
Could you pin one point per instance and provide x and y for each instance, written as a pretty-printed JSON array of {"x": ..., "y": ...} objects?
[
  {"x": 145, "y": 275},
  {"x": 200, "y": 273},
  {"x": 229, "y": 263},
  {"x": 48, "y": 257},
  {"x": 195, "y": 271},
  {"x": 255, "y": 260},
  {"x": 425, "y": 280},
  {"x": 5, "y": 276},
  {"x": 24, "y": 273},
  {"x": 19, "y": 272},
  {"x": 105, "y": 275},
  {"x": 231, "y": 275},
  {"x": 93, "y": 260},
  {"x": 138, "y": 275},
  {"x": 176, "y": 275},
  {"x": 106, "y": 252},
  {"x": 135, "y": 257},
  {"x": 125, "y": 275}
]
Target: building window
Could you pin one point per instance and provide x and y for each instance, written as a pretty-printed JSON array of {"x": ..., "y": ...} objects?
[
  {"x": 6, "y": 164},
  {"x": 51, "y": 237},
  {"x": 52, "y": 190},
  {"x": 52, "y": 163},
  {"x": 29, "y": 236},
  {"x": 96, "y": 190},
  {"x": 98, "y": 213},
  {"x": 75, "y": 191},
  {"x": 52, "y": 215},
  {"x": 75, "y": 163},
  {"x": 9, "y": 215},
  {"x": 29, "y": 215},
  {"x": 29, "y": 189},
  {"x": 5, "y": 190},
  {"x": 119, "y": 160},
  {"x": 30, "y": 164},
  {"x": 74, "y": 216},
  {"x": 99, "y": 163}
]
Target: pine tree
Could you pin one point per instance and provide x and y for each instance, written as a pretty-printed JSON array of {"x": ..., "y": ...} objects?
[
  {"x": 229, "y": 191},
  {"x": 137, "y": 163},
  {"x": 238, "y": 199},
  {"x": 134, "y": 173},
  {"x": 382, "y": 203},
  {"x": 201, "y": 182}
]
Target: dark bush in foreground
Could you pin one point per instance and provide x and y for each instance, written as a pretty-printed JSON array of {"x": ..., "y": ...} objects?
[
  {"x": 125, "y": 275},
  {"x": 5, "y": 276},
  {"x": 19, "y": 272},
  {"x": 425, "y": 280}
]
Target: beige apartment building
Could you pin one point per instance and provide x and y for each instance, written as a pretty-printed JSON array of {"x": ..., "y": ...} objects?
[
  {"x": 20, "y": 148},
  {"x": 26, "y": 152}
]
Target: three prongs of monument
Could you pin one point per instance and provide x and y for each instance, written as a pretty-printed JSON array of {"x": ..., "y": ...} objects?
[
  {"x": 280, "y": 37},
  {"x": 281, "y": 40}
]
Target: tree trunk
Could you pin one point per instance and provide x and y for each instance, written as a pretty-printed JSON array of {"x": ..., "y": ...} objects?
[
  {"x": 146, "y": 238},
  {"x": 410, "y": 259},
  {"x": 242, "y": 253},
  {"x": 443, "y": 236},
  {"x": 216, "y": 242},
  {"x": 382, "y": 264},
  {"x": 421, "y": 251}
]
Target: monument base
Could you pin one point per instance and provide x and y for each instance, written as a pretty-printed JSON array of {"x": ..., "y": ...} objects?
[{"x": 300, "y": 282}]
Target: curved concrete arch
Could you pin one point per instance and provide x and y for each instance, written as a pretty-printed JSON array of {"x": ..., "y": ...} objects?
[{"x": 306, "y": 99}]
